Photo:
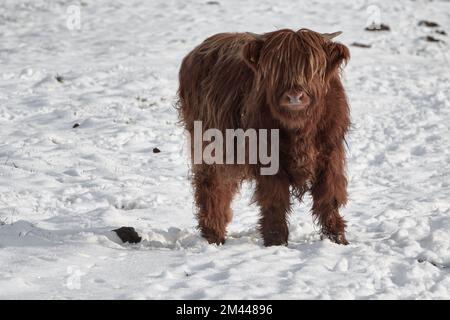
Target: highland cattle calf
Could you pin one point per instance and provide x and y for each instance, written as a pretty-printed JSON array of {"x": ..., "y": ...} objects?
[{"x": 283, "y": 80}]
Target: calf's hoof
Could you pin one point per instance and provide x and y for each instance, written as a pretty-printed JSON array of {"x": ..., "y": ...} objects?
[
  {"x": 275, "y": 238},
  {"x": 212, "y": 236},
  {"x": 336, "y": 238}
]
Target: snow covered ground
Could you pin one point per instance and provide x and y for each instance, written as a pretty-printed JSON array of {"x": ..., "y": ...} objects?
[{"x": 62, "y": 189}]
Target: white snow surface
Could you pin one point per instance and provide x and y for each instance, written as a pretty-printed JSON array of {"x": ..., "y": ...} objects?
[{"x": 63, "y": 189}]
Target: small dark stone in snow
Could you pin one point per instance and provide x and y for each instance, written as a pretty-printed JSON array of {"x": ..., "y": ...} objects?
[
  {"x": 213, "y": 3},
  {"x": 76, "y": 125},
  {"x": 441, "y": 32},
  {"x": 59, "y": 78},
  {"x": 361, "y": 45},
  {"x": 156, "y": 150},
  {"x": 432, "y": 39},
  {"x": 128, "y": 234},
  {"x": 378, "y": 27},
  {"x": 430, "y": 24}
]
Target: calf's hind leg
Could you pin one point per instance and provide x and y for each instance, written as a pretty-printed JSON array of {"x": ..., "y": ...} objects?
[{"x": 214, "y": 192}]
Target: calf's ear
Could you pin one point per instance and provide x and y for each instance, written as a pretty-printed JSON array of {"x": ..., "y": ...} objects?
[
  {"x": 250, "y": 53},
  {"x": 337, "y": 54}
]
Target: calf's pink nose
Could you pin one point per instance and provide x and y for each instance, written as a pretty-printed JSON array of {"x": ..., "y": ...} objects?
[{"x": 295, "y": 97}]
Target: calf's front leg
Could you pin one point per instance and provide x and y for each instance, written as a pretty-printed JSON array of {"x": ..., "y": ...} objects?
[
  {"x": 329, "y": 193},
  {"x": 272, "y": 196}
]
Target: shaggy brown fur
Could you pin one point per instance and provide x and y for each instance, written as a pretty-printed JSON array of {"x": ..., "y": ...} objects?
[{"x": 237, "y": 80}]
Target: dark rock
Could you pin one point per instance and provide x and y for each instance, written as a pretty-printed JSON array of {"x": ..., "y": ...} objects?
[
  {"x": 378, "y": 27},
  {"x": 213, "y": 3},
  {"x": 76, "y": 125},
  {"x": 156, "y": 150},
  {"x": 426, "y": 23},
  {"x": 59, "y": 78},
  {"x": 128, "y": 234},
  {"x": 432, "y": 39},
  {"x": 441, "y": 32},
  {"x": 361, "y": 45}
]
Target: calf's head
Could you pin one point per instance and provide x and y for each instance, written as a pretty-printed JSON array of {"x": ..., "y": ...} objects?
[{"x": 293, "y": 70}]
